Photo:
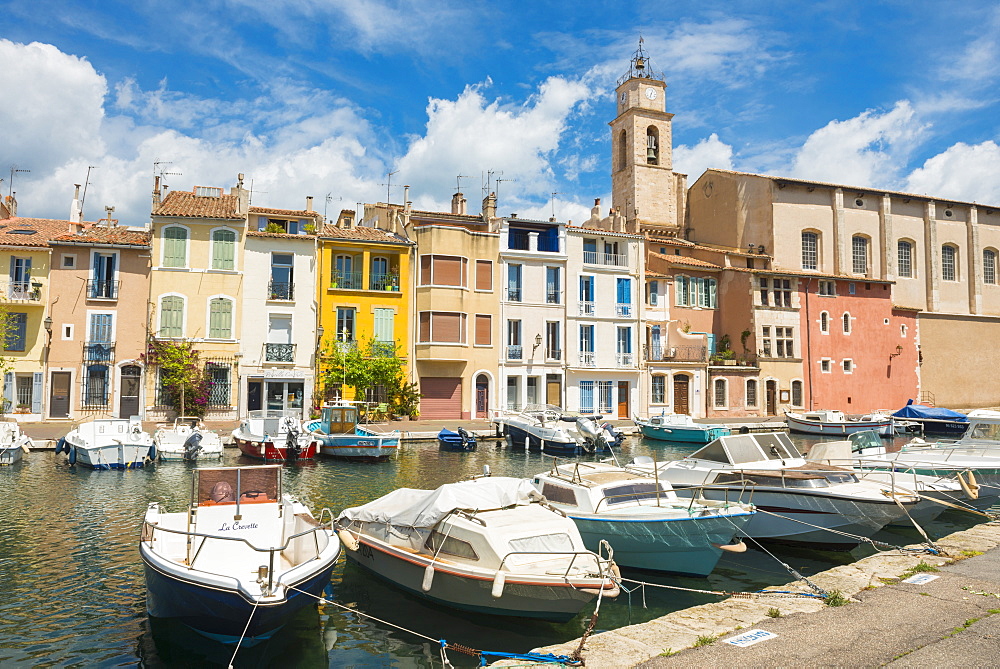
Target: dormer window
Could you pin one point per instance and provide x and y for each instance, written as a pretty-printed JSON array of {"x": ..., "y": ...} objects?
[
  {"x": 278, "y": 225},
  {"x": 207, "y": 191}
]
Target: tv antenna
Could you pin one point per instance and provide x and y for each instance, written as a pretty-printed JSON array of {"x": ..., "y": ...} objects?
[
  {"x": 553, "y": 201},
  {"x": 458, "y": 182},
  {"x": 250, "y": 196},
  {"x": 160, "y": 167},
  {"x": 329, "y": 199},
  {"x": 13, "y": 170},
  {"x": 500, "y": 179},
  {"x": 388, "y": 184},
  {"x": 86, "y": 183}
]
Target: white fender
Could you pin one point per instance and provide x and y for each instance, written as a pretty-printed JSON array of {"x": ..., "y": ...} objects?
[
  {"x": 428, "y": 578},
  {"x": 498, "y": 582},
  {"x": 349, "y": 541}
]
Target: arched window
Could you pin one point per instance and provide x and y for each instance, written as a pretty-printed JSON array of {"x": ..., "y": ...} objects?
[
  {"x": 824, "y": 322},
  {"x": 810, "y": 250},
  {"x": 175, "y": 246},
  {"x": 719, "y": 393},
  {"x": 172, "y": 316},
  {"x": 223, "y": 249},
  {"x": 949, "y": 263},
  {"x": 904, "y": 265},
  {"x": 622, "y": 150},
  {"x": 220, "y": 318},
  {"x": 652, "y": 145},
  {"x": 796, "y": 393},
  {"x": 751, "y": 392},
  {"x": 859, "y": 254},
  {"x": 847, "y": 323},
  {"x": 989, "y": 266}
]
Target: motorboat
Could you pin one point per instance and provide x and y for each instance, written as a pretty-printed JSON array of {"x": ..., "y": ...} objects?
[
  {"x": 456, "y": 441},
  {"x": 489, "y": 545},
  {"x": 275, "y": 435},
  {"x": 339, "y": 435},
  {"x": 241, "y": 560},
  {"x": 667, "y": 426},
  {"x": 187, "y": 439},
  {"x": 648, "y": 525},
  {"x": 108, "y": 443},
  {"x": 13, "y": 443},
  {"x": 796, "y": 501},
  {"x": 933, "y": 420},
  {"x": 545, "y": 427},
  {"x": 833, "y": 422}
]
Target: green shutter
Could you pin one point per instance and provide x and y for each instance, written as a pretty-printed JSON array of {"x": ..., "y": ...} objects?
[
  {"x": 220, "y": 319},
  {"x": 384, "y": 325},
  {"x": 174, "y": 247},
  {"x": 223, "y": 249},
  {"x": 171, "y": 316}
]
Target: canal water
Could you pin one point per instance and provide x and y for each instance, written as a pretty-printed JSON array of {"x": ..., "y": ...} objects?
[{"x": 74, "y": 594}]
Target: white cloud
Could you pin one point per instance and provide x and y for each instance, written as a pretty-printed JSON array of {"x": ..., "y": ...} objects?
[
  {"x": 869, "y": 149},
  {"x": 708, "y": 153},
  {"x": 963, "y": 172}
]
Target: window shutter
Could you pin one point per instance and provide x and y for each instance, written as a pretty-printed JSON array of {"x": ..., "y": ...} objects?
[
  {"x": 711, "y": 293},
  {"x": 36, "y": 392},
  {"x": 448, "y": 271},
  {"x": 223, "y": 249},
  {"x": 484, "y": 275},
  {"x": 447, "y": 327},
  {"x": 484, "y": 329},
  {"x": 171, "y": 316},
  {"x": 425, "y": 270},
  {"x": 100, "y": 328},
  {"x": 384, "y": 325},
  {"x": 425, "y": 326},
  {"x": 220, "y": 318},
  {"x": 174, "y": 241},
  {"x": 8, "y": 390}
]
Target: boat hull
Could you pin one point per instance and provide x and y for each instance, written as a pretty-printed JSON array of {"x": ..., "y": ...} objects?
[
  {"x": 10, "y": 454},
  {"x": 676, "y": 545},
  {"x": 885, "y": 428},
  {"x": 270, "y": 451},
  {"x": 113, "y": 456},
  {"x": 525, "y": 440},
  {"x": 683, "y": 434}
]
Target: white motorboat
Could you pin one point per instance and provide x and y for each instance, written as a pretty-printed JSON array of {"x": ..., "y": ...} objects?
[
  {"x": 645, "y": 521},
  {"x": 13, "y": 443},
  {"x": 187, "y": 439},
  {"x": 832, "y": 422},
  {"x": 275, "y": 435},
  {"x": 240, "y": 560},
  {"x": 667, "y": 426},
  {"x": 548, "y": 428},
  {"x": 796, "y": 501},
  {"x": 340, "y": 436},
  {"x": 490, "y": 545},
  {"x": 109, "y": 443}
]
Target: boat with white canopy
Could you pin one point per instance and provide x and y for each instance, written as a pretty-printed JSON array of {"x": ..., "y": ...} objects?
[{"x": 187, "y": 439}]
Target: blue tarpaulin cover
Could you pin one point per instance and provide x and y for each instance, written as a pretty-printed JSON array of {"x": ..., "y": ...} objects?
[{"x": 919, "y": 411}]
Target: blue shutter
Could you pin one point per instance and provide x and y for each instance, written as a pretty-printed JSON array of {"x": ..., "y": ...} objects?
[
  {"x": 8, "y": 391},
  {"x": 36, "y": 392},
  {"x": 261, "y": 223}
]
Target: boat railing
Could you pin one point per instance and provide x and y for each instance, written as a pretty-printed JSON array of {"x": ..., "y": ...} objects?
[
  {"x": 149, "y": 531},
  {"x": 601, "y": 562}
]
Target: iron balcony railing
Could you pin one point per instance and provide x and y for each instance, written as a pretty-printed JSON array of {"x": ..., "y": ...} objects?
[
  {"x": 552, "y": 296},
  {"x": 98, "y": 352},
  {"x": 553, "y": 354},
  {"x": 586, "y": 308},
  {"x": 513, "y": 294},
  {"x": 347, "y": 280},
  {"x": 383, "y": 282},
  {"x": 281, "y": 290},
  {"x": 587, "y": 359},
  {"x": 623, "y": 309},
  {"x": 514, "y": 352},
  {"x": 279, "y": 352},
  {"x": 23, "y": 290},
  {"x": 613, "y": 259},
  {"x": 625, "y": 359},
  {"x": 675, "y": 353},
  {"x": 101, "y": 289}
]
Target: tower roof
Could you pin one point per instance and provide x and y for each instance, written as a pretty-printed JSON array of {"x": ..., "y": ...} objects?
[{"x": 639, "y": 67}]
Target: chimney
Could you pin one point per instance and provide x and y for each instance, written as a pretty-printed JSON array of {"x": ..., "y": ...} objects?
[
  {"x": 75, "y": 209},
  {"x": 309, "y": 202},
  {"x": 458, "y": 204},
  {"x": 346, "y": 220},
  {"x": 156, "y": 192},
  {"x": 490, "y": 207},
  {"x": 242, "y": 196}
]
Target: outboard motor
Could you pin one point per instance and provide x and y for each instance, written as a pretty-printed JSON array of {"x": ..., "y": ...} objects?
[
  {"x": 592, "y": 438},
  {"x": 292, "y": 449},
  {"x": 192, "y": 446},
  {"x": 468, "y": 441}
]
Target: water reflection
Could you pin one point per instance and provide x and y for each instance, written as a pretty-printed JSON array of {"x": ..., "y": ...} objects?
[{"x": 75, "y": 592}]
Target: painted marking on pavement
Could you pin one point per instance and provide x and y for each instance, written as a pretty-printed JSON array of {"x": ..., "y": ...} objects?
[
  {"x": 920, "y": 579},
  {"x": 750, "y": 637}
]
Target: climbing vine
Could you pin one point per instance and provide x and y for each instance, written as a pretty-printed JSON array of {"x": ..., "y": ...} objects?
[{"x": 184, "y": 386}]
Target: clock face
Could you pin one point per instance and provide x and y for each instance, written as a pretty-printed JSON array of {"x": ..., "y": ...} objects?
[{"x": 651, "y": 93}]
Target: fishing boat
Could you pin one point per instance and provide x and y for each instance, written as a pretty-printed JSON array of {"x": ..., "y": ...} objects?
[
  {"x": 648, "y": 525},
  {"x": 275, "y": 435},
  {"x": 667, "y": 426},
  {"x": 489, "y": 545},
  {"x": 339, "y": 435},
  {"x": 833, "y": 422},
  {"x": 933, "y": 420},
  {"x": 108, "y": 443},
  {"x": 545, "y": 427},
  {"x": 456, "y": 441},
  {"x": 240, "y": 560},
  {"x": 13, "y": 443},
  {"x": 187, "y": 439},
  {"x": 796, "y": 501}
]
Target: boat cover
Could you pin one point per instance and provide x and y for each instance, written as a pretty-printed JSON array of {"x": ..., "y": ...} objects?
[
  {"x": 408, "y": 507},
  {"x": 920, "y": 411}
]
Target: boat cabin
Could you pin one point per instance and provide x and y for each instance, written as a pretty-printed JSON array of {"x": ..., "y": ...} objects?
[
  {"x": 595, "y": 487},
  {"x": 739, "y": 449},
  {"x": 338, "y": 419}
]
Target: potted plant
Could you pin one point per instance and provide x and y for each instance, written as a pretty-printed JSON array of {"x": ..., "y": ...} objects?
[
  {"x": 406, "y": 401},
  {"x": 23, "y": 408}
]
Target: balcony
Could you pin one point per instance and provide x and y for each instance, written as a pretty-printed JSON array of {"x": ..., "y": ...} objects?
[
  {"x": 587, "y": 359},
  {"x": 625, "y": 359},
  {"x": 517, "y": 240},
  {"x": 279, "y": 352},
  {"x": 552, "y": 296},
  {"x": 515, "y": 352},
  {"x": 27, "y": 291},
  {"x": 675, "y": 353},
  {"x": 623, "y": 309},
  {"x": 383, "y": 282},
  {"x": 347, "y": 280},
  {"x": 553, "y": 354},
  {"x": 512, "y": 294},
  {"x": 609, "y": 259},
  {"x": 98, "y": 352},
  {"x": 99, "y": 289},
  {"x": 280, "y": 290},
  {"x": 586, "y": 308}
]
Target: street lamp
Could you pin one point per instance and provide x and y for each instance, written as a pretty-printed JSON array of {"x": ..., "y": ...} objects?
[{"x": 538, "y": 342}]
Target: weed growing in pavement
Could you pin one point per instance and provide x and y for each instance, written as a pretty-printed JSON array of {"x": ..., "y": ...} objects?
[
  {"x": 706, "y": 640},
  {"x": 920, "y": 567},
  {"x": 667, "y": 652},
  {"x": 773, "y": 613}
]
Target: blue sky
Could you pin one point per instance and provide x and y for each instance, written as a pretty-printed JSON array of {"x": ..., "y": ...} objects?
[{"x": 324, "y": 98}]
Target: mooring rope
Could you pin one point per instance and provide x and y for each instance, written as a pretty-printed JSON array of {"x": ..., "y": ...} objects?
[
  {"x": 243, "y": 636},
  {"x": 933, "y": 550},
  {"x": 719, "y": 593}
]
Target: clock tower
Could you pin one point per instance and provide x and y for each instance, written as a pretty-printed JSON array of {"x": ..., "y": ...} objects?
[{"x": 643, "y": 183}]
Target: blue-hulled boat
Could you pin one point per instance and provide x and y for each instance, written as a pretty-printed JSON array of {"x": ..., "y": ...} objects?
[
  {"x": 456, "y": 441},
  {"x": 108, "y": 443},
  {"x": 241, "y": 560},
  {"x": 668, "y": 426},
  {"x": 340, "y": 436},
  {"x": 934, "y": 420}
]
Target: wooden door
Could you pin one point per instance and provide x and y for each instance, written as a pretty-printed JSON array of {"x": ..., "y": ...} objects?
[
  {"x": 553, "y": 390},
  {"x": 128, "y": 402},
  {"x": 771, "y": 395},
  {"x": 59, "y": 395},
  {"x": 681, "y": 390},
  {"x": 623, "y": 399},
  {"x": 482, "y": 396}
]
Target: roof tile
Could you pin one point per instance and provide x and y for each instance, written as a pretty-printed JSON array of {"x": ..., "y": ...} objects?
[{"x": 188, "y": 205}]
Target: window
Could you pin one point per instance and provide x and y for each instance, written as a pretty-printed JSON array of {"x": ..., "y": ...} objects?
[
  {"x": 796, "y": 393},
  {"x": 828, "y": 288},
  {"x": 652, "y": 145},
  {"x": 654, "y": 293},
  {"x": 207, "y": 191},
  {"x": 531, "y": 390},
  {"x": 175, "y": 246},
  {"x": 810, "y": 250},
  {"x": 517, "y": 240},
  {"x": 103, "y": 284},
  {"x": 223, "y": 249},
  {"x": 624, "y": 346},
  {"x": 623, "y": 306},
  {"x": 553, "y": 341},
  {"x": 824, "y": 366},
  {"x": 719, "y": 393},
  {"x": 282, "y": 277},
  {"x": 681, "y": 291},
  {"x": 782, "y": 292},
  {"x": 384, "y": 334},
  {"x": 765, "y": 341},
  {"x": 586, "y": 397},
  {"x": 101, "y": 328},
  {"x": 95, "y": 386},
  {"x": 696, "y": 292},
  {"x": 848, "y": 366},
  {"x": 586, "y": 345},
  {"x": 552, "y": 285},
  {"x": 172, "y": 316},
  {"x": 346, "y": 319},
  {"x": 751, "y": 392},
  {"x": 69, "y": 261},
  {"x": 904, "y": 256},
  {"x": 220, "y": 384},
  {"x": 989, "y": 266},
  {"x": 445, "y": 327},
  {"x": 442, "y": 270},
  {"x": 783, "y": 342},
  {"x": 514, "y": 283},
  {"x": 17, "y": 332},
  {"x": 859, "y": 254},
  {"x": 220, "y": 318},
  {"x": 824, "y": 322},
  {"x": 622, "y": 150},
  {"x": 484, "y": 330},
  {"x": 278, "y": 225},
  {"x": 659, "y": 395},
  {"x": 484, "y": 275},
  {"x": 514, "y": 351},
  {"x": 847, "y": 323},
  {"x": 278, "y": 348},
  {"x": 764, "y": 295},
  {"x": 586, "y": 295},
  {"x": 948, "y": 263},
  {"x": 605, "y": 390},
  {"x": 20, "y": 279},
  {"x": 851, "y": 288}
]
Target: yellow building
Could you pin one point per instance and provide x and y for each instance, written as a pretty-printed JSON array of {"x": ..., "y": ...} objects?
[{"x": 364, "y": 290}]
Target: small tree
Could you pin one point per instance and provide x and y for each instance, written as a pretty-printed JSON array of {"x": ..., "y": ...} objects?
[
  {"x": 366, "y": 365},
  {"x": 6, "y": 365},
  {"x": 185, "y": 385}
]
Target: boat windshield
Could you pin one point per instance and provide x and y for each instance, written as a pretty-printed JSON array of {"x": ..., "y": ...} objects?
[
  {"x": 632, "y": 492},
  {"x": 789, "y": 480},
  {"x": 441, "y": 543},
  {"x": 983, "y": 431},
  {"x": 864, "y": 439},
  {"x": 742, "y": 448}
]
